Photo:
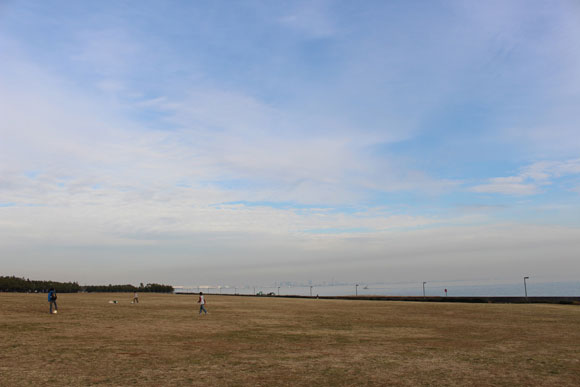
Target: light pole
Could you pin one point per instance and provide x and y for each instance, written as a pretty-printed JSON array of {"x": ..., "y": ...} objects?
[
  {"x": 424, "y": 288},
  {"x": 356, "y": 290},
  {"x": 310, "y": 290},
  {"x": 525, "y": 287},
  {"x": 235, "y": 291},
  {"x": 278, "y": 290}
]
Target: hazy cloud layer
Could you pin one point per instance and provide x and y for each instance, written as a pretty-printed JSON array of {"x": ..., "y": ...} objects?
[{"x": 296, "y": 140}]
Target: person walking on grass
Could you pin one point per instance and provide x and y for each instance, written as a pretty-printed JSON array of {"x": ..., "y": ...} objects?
[
  {"x": 52, "y": 300},
  {"x": 135, "y": 298},
  {"x": 201, "y": 303}
]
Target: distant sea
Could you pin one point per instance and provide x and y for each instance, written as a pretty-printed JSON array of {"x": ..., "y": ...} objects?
[{"x": 408, "y": 289}]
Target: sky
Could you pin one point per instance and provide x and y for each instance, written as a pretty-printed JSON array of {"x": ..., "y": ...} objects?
[{"x": 237, "y": 143}]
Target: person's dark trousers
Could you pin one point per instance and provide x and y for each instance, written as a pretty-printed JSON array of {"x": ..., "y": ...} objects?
[{"x": 51, "y": 304}]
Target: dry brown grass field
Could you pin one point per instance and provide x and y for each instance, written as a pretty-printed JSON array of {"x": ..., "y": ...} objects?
[{"x": 246, "y": 341}]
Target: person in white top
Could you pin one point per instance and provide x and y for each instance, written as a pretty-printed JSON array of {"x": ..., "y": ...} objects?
[
  {"x": 135, "y": 298},
  {"x": 201, "y": 303}
]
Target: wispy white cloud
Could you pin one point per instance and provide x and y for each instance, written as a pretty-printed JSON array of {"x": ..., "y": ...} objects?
[
  {"x": 107, "y": 51},
  {"x": 531, "y": 179},
  {"x": 498, "y": 185},
  {"x": 310, "y": 17},
  {"x": 294, "y": 155}
]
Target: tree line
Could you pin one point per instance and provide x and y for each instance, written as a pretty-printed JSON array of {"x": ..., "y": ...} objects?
[{"x": 15, "y": 284}]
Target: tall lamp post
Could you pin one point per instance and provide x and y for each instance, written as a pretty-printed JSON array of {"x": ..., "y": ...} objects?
[
  {"x": 525, "y": 287},
  {"x": 424, "y": 288},
  {"x": 310, "y": 290},
  {"x": 278, "y": 290},
  {"x": 356, "y": 290}
]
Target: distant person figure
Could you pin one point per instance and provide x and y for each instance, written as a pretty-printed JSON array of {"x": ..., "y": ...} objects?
[
  {"x": 135, "y": 298},
  {"x": 201, "y": 303},
  {"x": 445, "y": 292},
  {"x": 52, "y": 300}
]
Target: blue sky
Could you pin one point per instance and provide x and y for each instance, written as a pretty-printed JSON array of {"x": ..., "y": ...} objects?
[{"x": 237, "y": 142}]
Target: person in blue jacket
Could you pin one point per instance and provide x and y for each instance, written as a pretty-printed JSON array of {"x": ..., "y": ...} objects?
[{"x": 52, "y": 300}]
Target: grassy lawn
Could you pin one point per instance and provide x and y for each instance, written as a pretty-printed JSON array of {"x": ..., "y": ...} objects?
[{"x": 283, "y": 342}]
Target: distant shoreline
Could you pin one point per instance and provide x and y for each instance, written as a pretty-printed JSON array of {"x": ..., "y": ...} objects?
[{"x": 472, "y": 300}]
